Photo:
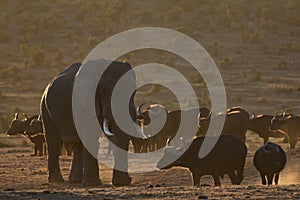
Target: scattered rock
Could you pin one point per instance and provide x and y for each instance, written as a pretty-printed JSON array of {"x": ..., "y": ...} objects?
[
  {"x": 202, "y": 197},
  {"x": 251, "y": 188},
  {"x": 9, "y": 190},
  {"x": 150, "y": 186},
  {"x": 46, "y": 192},
  {"x": 157, "y": 185},
  {"x": 205, "y": 185}
]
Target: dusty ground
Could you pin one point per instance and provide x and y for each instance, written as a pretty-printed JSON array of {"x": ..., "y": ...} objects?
[
  {"x": 255, "y": 45},
  {"x": 25, "y": 177}
]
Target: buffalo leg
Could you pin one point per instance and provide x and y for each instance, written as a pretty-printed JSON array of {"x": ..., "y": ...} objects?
[
  {"x": 40, "y": 149},
  {"x": 276, "y": 178},
  {"x": 76, "y": 174},
  {"x": 120, "y": 151},
  {"x": 68, "y": 149},
  {"x": 216, "y": 178},
  {"x": 90, "y": 169},
  {"x": 196, "y": 178},
  {"x": 266, "y": 140},
  {"x": 263, "y": 178},
  {"x": 270, "y": 177},
  {"x": 293, "y": 142},
  {"x": 233, "y": 178},
  {"x": 53, "y": 144},
  {"x": 45, "y": 149},
  {"x": 240, "y": 173},
  {"x": 34, "y": 151}
]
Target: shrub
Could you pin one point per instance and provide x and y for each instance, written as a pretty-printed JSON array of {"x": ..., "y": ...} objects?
[
  {"x": 225, "y": 61},
  {"x": 283, "y": 88}
]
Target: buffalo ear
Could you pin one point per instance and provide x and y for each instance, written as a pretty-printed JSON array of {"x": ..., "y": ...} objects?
[{"x": 16, "y": 115}]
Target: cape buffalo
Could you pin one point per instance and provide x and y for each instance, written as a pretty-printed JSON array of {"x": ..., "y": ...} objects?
[
  {"x": 35, "y": 133},
  {"x": 260, "y": 125},
  {"x": 269, "y": 160},
  {"x": 289, "y": 124},
  {"x": 157, "y": 117},
  {"x": 236, "y": 123},
  {"x": 57, "y": 116},
  {"x": 39, "y": 144},
  {"x": 226, "y": 156},
  {"x": 18, "y": 126}
]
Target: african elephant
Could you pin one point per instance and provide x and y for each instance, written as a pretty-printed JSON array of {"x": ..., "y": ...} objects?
[{"x": 59, "y": 126}]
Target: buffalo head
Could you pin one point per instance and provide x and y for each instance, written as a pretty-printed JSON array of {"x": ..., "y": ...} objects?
[
  {"x": 18, "y": 125},
  {"x": 36, "y": 126},
  {"x": 153, "y": 119}
]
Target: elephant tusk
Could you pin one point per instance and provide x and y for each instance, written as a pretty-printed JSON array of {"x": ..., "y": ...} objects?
[
  {"x": 140, "y": 131},
  {"x": 106, "y": 129}
]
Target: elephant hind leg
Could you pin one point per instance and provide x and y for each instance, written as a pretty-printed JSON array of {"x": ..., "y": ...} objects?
[
  {"x": 53, "y": 144},
  {"x": 76, "y": 174}
]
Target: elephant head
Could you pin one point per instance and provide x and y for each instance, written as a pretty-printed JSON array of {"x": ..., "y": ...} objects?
[{"x": 107, "y": 118}]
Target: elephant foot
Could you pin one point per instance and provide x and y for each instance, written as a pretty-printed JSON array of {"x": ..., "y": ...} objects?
[
  {"x": 91, "y": 181},
  {"x": 121, "y": 178},
  {"x": 55, "y": 177},
  {"x": 75, "y": 179}
]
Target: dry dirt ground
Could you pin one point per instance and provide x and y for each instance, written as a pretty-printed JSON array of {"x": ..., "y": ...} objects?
[
  {"x": 255, "y": 44},
  {"x": 25, "y": 177}
]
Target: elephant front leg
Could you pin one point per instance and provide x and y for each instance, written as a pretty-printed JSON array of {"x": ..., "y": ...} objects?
[
  {"x": 120, "y": 152},
  {"x": 76, "y": 174},
  {"x": 90, "y": 169},
  {"x": 216, "y": 178},
  {"x": 196, "y": 177}
]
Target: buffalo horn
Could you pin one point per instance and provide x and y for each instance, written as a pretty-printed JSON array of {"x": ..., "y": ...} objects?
[
  {"x": 26, "y": 116},
  {"x": 139, "y": 108},
  {"x": 106, "y": 129},
  {"x": 16, "y": 115}
]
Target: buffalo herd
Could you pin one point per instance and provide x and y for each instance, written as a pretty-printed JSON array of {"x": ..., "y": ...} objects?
[{"x": 55, "y": 127}]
